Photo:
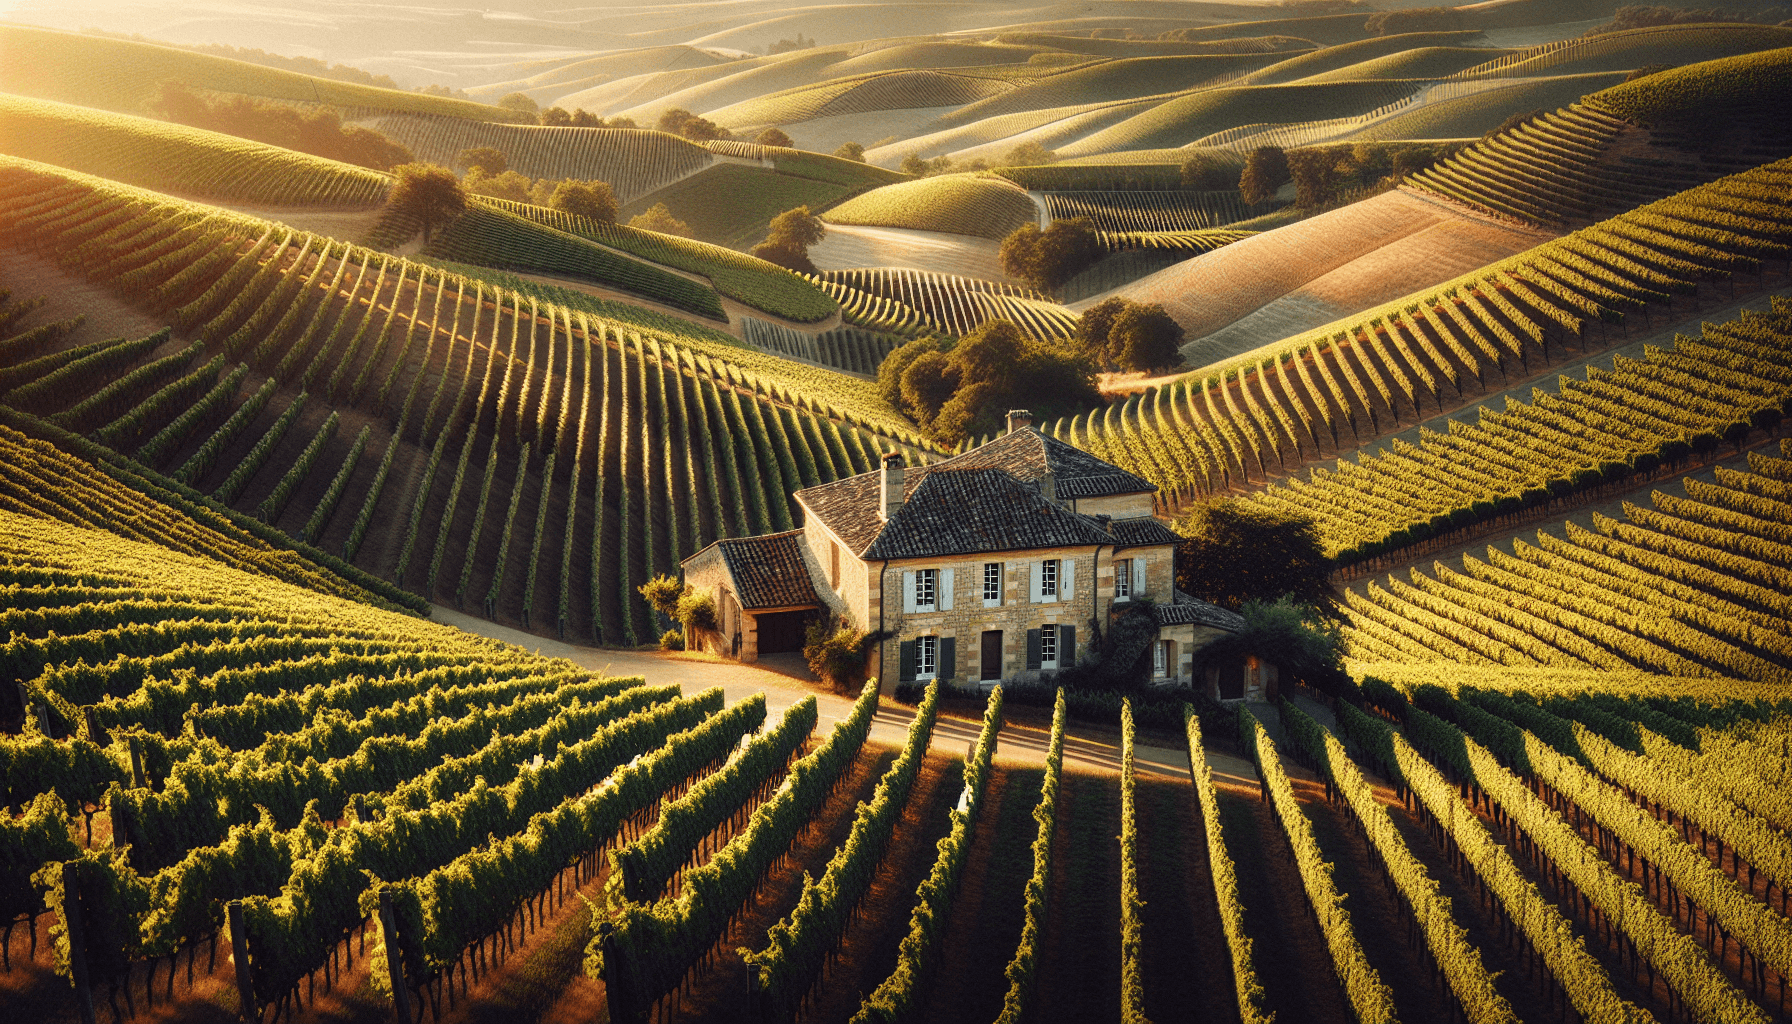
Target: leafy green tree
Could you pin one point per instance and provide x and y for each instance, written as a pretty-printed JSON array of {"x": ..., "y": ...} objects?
[
  {"x": 520, "y": 103},
  {"x": 1207, "y": 173},
  {"x": 1095, "y": 327},
  {"x": 1301, "y": 639},
  {"x": 1145, "y": 338},
  {"x": 1046, "y": 259},
  {"x": 593, "y": 199},
  {"x": 679, "y": 121},
  {"x": 1265, "y": 170},
  {"x": 508, "y": 185},
  {"x": 556, "y": 117},
  {"x": 485, "y": 159},
  {"x": 851, "y": 151},
  {"x": 582, "y": 118},
  {"x": 659, "y": 218},
  {"x": 890, "y": 371},
  {"x": 1029, "y": 154},
  {"x": 955, "y": 391},
  {"x": 621, "y": 122},
  {"x": 775, "y": 136},
  {"x": 428, "y": 192},
  {"x": 789, "y": 237},
  {"x": 1315, "y": 172},
  {"x": 1237, "y": 552},
  {"x": 928, "y": 384},
  {"x": 913, "y": 164}
]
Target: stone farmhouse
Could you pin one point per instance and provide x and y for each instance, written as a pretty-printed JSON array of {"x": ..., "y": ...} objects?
[{"x": 987, "y": 566}]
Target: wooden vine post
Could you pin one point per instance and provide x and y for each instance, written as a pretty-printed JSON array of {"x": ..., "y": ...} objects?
[
  {"x": 239, "y": 955},
  {"x": 401, "y": 995},
  {"x": 77, "y": 941}
]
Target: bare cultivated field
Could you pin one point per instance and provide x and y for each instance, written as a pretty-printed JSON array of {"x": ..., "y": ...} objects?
[
  {"x": 848, "y": 246},
  {"x": 1308, "y": 274}
]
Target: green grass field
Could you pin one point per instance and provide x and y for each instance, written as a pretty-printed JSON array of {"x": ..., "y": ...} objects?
[
  {"x": 1182, "y": 120},
  {"x": 1335, "y": 58},
  {"x": 989, "y": 207},
  {"x": 730, "y": 204}
]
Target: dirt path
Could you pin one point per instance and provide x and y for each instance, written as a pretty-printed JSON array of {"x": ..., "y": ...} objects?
[
  {"x": 1291, "y": 954},
  {"x": 1188, "y": 965},
  {"x": 868, "y": 952},
  {"x": 989, "y": 909},
  {"x": 1079, "y": 969}
]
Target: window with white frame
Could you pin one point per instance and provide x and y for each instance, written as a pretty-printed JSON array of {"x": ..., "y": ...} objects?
[
  {"x": 927, "y": 657},
  {"x": 926, "y": 589},
  {"x": 1048, "y": 646},
  {"x": 1160, "y": 659},
  {"x": 1048, "y": 579},
  {"x": 1122, "y": 579},
  {"x": 992, "y": 584}
]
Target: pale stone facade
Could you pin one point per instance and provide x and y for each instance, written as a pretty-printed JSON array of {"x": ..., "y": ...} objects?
[{"x": 1061, "y": 539}]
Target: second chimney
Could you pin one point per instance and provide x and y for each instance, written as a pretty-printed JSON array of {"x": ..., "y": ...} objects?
[
  {"x": 1019, "y": 419},
  {"x": 890, "y": 482}
]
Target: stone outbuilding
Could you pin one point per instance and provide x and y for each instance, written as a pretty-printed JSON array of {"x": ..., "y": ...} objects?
[{"x": 987, "y": 566}]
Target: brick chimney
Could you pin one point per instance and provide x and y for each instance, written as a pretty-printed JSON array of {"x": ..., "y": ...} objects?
[
  {"x": 1019, "y": 419},
  {"x": 890, "y": 484}
]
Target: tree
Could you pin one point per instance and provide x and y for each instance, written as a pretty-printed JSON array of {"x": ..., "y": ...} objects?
[
  {"x": 1207, "y": 173},
  {"x": 890, "y": 371},
  {"x": 1265, "y": 170},
  {"x": 679, "y": 121},
  {"x": 1299, "y": 638},
  {"x": 851, "y": 151},
  {"x": 838, "y": 653},
  {"x": 621, "y": 122},
  {"x": 1145, "y": 338},
  {"x": 582, "y": 118},
  {"x": 662, "y": 593},
  {"x": 788, "y": 239},
  {"x": 509, "y": 185},
  {"x": 520, "y": 103},
  {"x": 555, "y": 117},
  {"x": 1029, "y": 154},
  {"x": 1046, "y": 259},
  {"x": 593, "y": 199},
  {"x": 658, "y": 218},
  {"x": 1095, "y": 327},
  {"x": 913, "y": 164},
  {"x": 1237, "y": 552},
  {"x": 428, "y": 192},
  {"x": 1315, "y": 172},
  {"x": 774, "y": 136},
  {"x": 485, "y": 159},
  {"x": 928, "y": 384},
  {"x": 958, "y": 390}
]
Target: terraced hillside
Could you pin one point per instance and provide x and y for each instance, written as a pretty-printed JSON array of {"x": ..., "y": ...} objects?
[{"x": 345, "y": 353}]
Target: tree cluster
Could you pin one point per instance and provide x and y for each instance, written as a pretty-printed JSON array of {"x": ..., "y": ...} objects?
[
  {"x": 1119, "y": 334},
  {"x": 489, "y": 174},
  {"x": 429, "y": 193},
  {"x": 1207, "y": 172},
  {"x": 790, "y": 45},
  {"x": 775, "y": 136},
  {"x": 1047, "y": 259},
  {"x": 677, "y": 601},
  {"x": 319, "y": 132},
  {"x": 679, "y": 121},
  {"x": 560, "y": 117},
  {"x": 1325, "y": 174},
  {"x": 954, "y": 391},
  {"x": 1237, "y": 552},
  {"x": 659, "y": 218},
  {"x": 788, "y": 239},
  {"x": 840, "y": 654},
  {"x": 851, "y": 151},
  {"x": 1265, "y": 170}
]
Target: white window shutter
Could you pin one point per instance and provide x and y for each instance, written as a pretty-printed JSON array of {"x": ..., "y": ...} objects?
[
  {"x": 1067, "y": 579},
  {"x": 1138, "y": 576},
  {"x": 1033, "y": 586},
  {"x": 943, "y": 599},
  {"x": 908, "y": 592}
]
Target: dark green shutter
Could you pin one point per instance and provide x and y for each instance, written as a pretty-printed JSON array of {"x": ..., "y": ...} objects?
[
  {"x": 1066, "y": 646},
  {"x": 907, "y": 674},
  {"x": 1033, "y": 649},
  {"x": 948, "y": 657}
]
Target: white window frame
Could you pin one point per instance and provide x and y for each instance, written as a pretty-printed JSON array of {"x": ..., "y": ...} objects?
[
  {"x": 992, "y": 581},
  {"x": 1048, "y": 641},
  {"x": 1122, "y": 579},
  {"x": 927, "y": 657},
  {"x": 1049, "y": 572},
  {"x": 1160, "y": 659},
  {"x": 927, "y": 582}
]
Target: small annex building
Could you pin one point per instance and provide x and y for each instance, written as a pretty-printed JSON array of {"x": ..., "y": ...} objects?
[{"x": 987, "y": 566}]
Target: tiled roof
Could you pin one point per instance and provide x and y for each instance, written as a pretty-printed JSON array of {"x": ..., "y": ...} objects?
[
  {"x": 1190, "y": 611},
  {"x": 850, "y": 507},
  {"x": 965, "y": 511},
  {"x": 1141, "y": 531},
  {"x": 769, "y": 571},
  {"x": 1029, "y": 455}
]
